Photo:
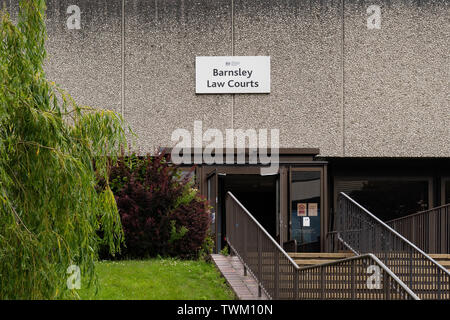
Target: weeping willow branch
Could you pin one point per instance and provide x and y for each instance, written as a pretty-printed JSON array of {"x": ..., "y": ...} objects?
[
  {"x": 17, "y": 217},
  {"x": 53, "y": 153}
]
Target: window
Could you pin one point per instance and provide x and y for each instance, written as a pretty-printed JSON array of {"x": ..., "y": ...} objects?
[{"x": 388, "y": 198}]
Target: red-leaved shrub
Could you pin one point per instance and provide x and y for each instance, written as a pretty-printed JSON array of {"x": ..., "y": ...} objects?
[
  {"x": 160, "y": 211},
  {"x": 197, "y": 225}
]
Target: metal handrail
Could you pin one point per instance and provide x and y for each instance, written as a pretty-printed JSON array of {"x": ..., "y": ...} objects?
[
  {"x": 380, "y": 239},
  {"x": 376, "y": 260},
  {"x": 263, "y": 230},
  {"x": 418, "y": 213},
  {"x": 428, "y": 229},
  {"x": 397, "y": 234},
  {"x": 279, "y": 276}
]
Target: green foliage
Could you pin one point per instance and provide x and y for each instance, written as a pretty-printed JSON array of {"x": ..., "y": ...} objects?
[
  {"x": 207, "y": 248},
  {"x": 225, "y": 251},
  {"x": 126, "y": 167},
  {"x": 50, "y": 208},
  {"x": 189, "y": 194},
  {"x": 175, "y": 234},
  {"x": 158, "y": 279}
]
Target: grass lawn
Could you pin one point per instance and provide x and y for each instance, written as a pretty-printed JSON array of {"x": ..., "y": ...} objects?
[{"x": 158, "y": 279}]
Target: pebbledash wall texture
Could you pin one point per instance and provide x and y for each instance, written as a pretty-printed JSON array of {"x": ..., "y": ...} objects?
[{"x": 336, "y": 84}]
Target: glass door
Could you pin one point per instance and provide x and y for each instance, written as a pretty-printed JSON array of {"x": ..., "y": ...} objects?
[
  {"x": 306, "y": 208},
  {"x": 212, "y": 197}
]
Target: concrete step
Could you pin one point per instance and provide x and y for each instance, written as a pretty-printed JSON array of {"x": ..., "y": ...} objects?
[
  {"x": 319, "y": 255},
  {"x": 440, "y": 256},
  {"x": 311, "y": 262},
  {"x": 312, "y": 258},
  {"x": 442, "y": 259},
  {"x": 303, "y": 259}
]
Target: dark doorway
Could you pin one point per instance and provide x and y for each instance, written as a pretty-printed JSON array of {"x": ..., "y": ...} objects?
[{"x": 256, "y": 193}]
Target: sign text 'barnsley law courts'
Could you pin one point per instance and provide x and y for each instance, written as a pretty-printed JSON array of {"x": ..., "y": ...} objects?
[{"x": 233, "y": 74}]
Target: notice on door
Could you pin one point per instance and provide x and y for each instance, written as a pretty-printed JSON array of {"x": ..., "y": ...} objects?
[
  {"x": 306, "y": 222},
  {"x": 301, "y": 209},
  {"x": 312, "y": 209},
  {"x": 232, "y": 74}
]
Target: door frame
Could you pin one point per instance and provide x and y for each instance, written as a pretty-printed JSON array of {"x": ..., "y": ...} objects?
[
  {"x": 323, "y": 199},
  {"x": 284, "y": 172},
  {"x": 288, "y": 157},
  {"x": 216, "y": 171},
  {"x": 443, "y": 189},
  {"x": 212, "y": 194}
]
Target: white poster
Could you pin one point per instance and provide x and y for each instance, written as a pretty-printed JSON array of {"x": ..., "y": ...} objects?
[
  {"x": 232, "y": 74},
  {"x": 306, "y": 222},
  {"x": 312, "y": 209},
  {"x": 301, "y": 209}
]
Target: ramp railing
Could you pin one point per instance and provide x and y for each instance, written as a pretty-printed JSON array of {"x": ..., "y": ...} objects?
[
  {"x": 429, "y": 229},
  {"x": 360, "y": 277},
  {"x": 363, "y": 233}
]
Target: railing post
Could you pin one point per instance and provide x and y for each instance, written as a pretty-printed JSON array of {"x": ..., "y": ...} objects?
[
  {"x": 353, "y": 280},
  {"x": 439, "y": 283},
  {"x": 276, "y": 275},
  {"x": 322, "y": 283},
  {"x": 411, "y": 270},
  {"x": 295, "y": 286},
  {"x": 259, "y": 262},
  {"x": 432, "y": 235},
  {"x": 244, "y": 242},
  {"x": 387, "y": 287}
]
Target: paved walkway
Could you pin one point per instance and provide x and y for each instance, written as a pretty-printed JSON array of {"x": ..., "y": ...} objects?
[{"x": 231, "y": 268}]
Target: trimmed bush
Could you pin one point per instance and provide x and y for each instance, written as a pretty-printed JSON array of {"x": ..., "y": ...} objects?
[{"x": 161, "y": 213}]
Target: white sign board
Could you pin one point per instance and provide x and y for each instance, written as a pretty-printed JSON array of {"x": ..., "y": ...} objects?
[{"x": 233, "y": 74}]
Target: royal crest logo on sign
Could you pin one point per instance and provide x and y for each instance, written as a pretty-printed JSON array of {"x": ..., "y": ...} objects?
[{"x": 233, "y": 74}]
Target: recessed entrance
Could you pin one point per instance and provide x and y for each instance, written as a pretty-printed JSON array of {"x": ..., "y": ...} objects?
[
  {"x": 273, "y": 198},
  {"x": 258, "y": 194}
]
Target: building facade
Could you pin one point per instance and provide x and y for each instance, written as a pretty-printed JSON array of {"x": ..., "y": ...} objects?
[{"x": 359, "y": 94}]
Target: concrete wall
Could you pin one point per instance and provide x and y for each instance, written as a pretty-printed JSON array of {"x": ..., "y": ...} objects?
[
  {"x": 87, "y": 62},
  {"x": 162, "y": 40},
  {"x": 396, "y": 80},
  {"x": 336, "y": 85}
]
